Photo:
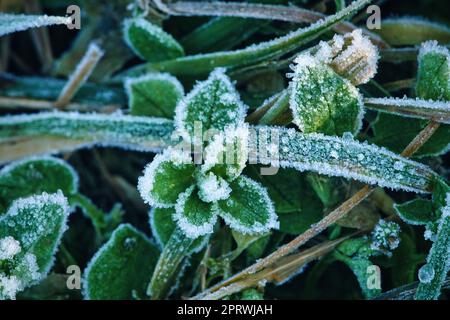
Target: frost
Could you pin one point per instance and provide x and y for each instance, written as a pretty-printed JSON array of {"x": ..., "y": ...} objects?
[
  {"x": 213, "y": 188},
  {"x": 8, "y": 169},
  {"x": 149, "y": 41},
  {"x": 385, "y": 236},
  {"x": 197, "y": 223},
  {"x": 250, "y": 211},
  {"x": 9, "y": 247},
  {"x": 409, "y": 107},
  {"x": 352, "y": 56},
  {"x": 153, "y": 94},
  {"x": 127, "y": 250},
  {"x": 367, "y": 163},
  {"x": 166, "y": 168},
  {"x": 426, "y": 273},
  {"x": 229, "y": 148},
  {"x": 432, "y": 275},
  {"x": 206, "y": 106},
  {"x": 130, "y": 132},
  {"x": 10, "y": 23},
  {"x": 323, "y": 101},
  {"x": 9, "y": 287},
  {"x": 432, "y": 46}
]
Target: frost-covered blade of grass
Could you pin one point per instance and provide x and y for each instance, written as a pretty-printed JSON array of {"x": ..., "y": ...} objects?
[
  {"x": 432, "y": 274},
  {"x": 10, "y": 23},
  {"x": 345, "y": 157},
  {"x": 414, "y": 108},
  {"x": 203, "y": 63},
  {"x": 131, "y": 132}
]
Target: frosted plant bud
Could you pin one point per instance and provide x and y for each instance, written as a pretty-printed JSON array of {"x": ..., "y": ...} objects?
[
  {"x": 385, "y": 236},
  {"x": 212, "y": 188},
  {"x": 227, "y": 152},
  {"x": 9, "y": 247},
  {"x": 323, "y": 101},
  {"x": 433, "y": 73},
  {"x": 352, "y": 56},
  {"x": 9, "y": 287}
]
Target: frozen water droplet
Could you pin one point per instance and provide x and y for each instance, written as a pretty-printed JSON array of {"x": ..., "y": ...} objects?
[
  {"x": 426, "y": 273},
  {"x": 129, "y": 243}
]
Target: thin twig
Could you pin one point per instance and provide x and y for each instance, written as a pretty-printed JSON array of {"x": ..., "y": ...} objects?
[
  {"x": 317, "y": 228},
  {"x": 279, "y": 272},
  {"x": 80, "y": 75},
  {"x": 257, "y": 11}
]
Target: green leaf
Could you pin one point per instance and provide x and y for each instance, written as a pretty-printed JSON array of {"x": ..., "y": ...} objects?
[
  {"x": 433, "y": 75},
  {"x": 412, "y": 31},
  {"x": 205, "y": 63},
  {"x": 193, "y": 216},
  {"x": 416, "y": 212},
  {"x": 155, "y": 94},
  {"x": 36, "y": 223},
  {"x": 121, "y": 267},
  {"x": 359, "y": 266},
  {"x": 168, "y": 175},
  {"x": 322, "y": 101},
  {"x": 163, "y": 225},
  {"x": 10, "y": 23},
  {"x": 33, "y": 176},
  {"x": 150, "y": 42},
  {"x": 249, "y": 209},
  {"x": 212, "y": 104}
]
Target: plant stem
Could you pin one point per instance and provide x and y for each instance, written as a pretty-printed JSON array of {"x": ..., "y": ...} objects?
[
  {"x": 164, "y": 276},
  {"x": 327, "y": 221},
  {"x": 80, "y": 75}
]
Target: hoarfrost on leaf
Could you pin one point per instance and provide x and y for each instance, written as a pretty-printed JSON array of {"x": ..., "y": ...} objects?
[
  {"x": 322, "y": 101},
  {"x": 9, "y": 247},
  {"x": 205, "y": 106}
]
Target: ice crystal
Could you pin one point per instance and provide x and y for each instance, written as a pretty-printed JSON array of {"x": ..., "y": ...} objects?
[
  {"x": 212, "y": 188},
  {"x": 9, "y": 287},
  {"x": 9, "y": 247},
  {"x": 214, "y": 104},
  {"x": 385, "y": 236},
  {"x": 352, "y": 56},
  {"x": 149, "y": 41},
  {"x": 10, "y": 23},
  {"x": 426, "y": 273},
  {"x": 355, "y": 160}
]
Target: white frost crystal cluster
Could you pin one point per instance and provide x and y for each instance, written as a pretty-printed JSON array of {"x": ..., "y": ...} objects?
[
  {"x": 352, "y": 56},
  {"x": 385, "y": 236},
  {"x": 9, "y": 247}
]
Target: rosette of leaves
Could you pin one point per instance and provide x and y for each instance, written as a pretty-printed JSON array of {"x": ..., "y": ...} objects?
[{"x": 200, "y": 193}]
